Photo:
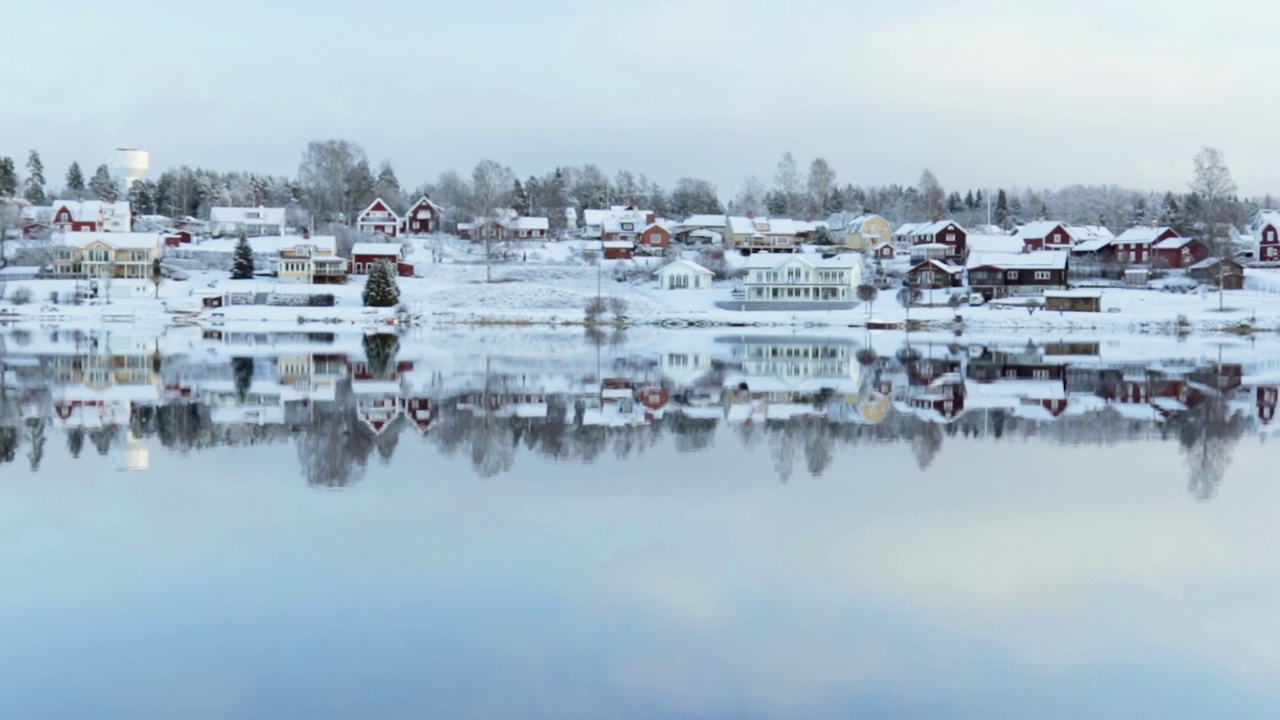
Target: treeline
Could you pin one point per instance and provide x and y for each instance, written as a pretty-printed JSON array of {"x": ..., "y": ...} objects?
[{"x": 335, "y": 180}]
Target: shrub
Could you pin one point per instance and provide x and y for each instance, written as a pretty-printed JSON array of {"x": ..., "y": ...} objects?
[
  {"x": 21, "y": 296},
  {"x": 595, "y": 308},
  {"x": 618, "y": 307}
]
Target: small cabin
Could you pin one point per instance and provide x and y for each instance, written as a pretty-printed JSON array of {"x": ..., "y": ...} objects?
[{"x": 1073, "y": 300}]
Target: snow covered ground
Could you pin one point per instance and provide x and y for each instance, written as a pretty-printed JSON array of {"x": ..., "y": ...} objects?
[{"x": 553, "y": 282}]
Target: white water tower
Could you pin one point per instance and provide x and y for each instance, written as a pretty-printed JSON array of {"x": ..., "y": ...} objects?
[{"x": 130, "y": 164}]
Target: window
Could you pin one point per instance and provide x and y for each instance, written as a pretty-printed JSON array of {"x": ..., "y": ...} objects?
[
  {"x": 1043, "y": 275},
  {"x": 925, "y": 277},
  {"x": 655, "y": 238},
  {"x": 1040, "y": 374},
  {"x": 98, "y": 255},
  {"x": 1011, "y": 275},
  {"x": 1122, "y": 256}
]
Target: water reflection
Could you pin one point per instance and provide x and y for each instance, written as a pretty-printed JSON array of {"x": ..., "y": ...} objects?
[{"x": 344, "y": 400}]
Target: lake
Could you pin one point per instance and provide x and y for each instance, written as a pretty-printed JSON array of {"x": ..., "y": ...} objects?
[{"x": 709, "y": 523}]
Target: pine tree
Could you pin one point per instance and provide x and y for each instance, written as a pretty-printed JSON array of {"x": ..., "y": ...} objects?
[
  {"x": 35, "y": 179},
  {"x": 75, "y": 181},
  {"x": 969, "y": 202},
  {"x": 8, "y": 178},
  {"x": 380, "y": 289},
  {"x": 140, "y": 199},
  {"x": 1002, "y": 207},
  {"x": 102, "y": 186},
  {"x": 520, "y": 198},
  {"x": 242, "y": 260}
]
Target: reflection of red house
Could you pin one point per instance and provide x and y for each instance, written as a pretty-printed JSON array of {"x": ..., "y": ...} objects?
[
  {"x": 378, "y": 411},
  {"x": 420, "y": 412},
  {"x": 1267, "y": 404},
  {"x": 654, "y": 399}
]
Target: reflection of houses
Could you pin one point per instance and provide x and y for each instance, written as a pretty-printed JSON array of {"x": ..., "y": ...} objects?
[{"x": 783, "y": 377}]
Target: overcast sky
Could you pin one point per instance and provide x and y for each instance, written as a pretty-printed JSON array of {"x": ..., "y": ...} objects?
[{"x": 984, "y": 92}]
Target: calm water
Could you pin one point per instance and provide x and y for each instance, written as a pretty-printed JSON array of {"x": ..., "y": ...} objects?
[{"x": 658, "y": 524}]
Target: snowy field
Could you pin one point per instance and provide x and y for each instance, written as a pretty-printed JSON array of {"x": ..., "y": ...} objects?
[{"x": 553, "y": 282}]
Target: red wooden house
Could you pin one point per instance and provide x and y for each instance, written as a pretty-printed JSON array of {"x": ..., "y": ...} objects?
[
  {"x": 1044, "y": 235},
  {"x": 1267, "y": 396},
  {"x": 176, "y": 238},
  {"x": 1266, "y": 236},
  {"x": 379, "y": 218},
  {"x": 1179, "y": 252},
  {"x": 1134, "y": 245},
  {"x": 883, "y": 251},
  {"x": 365, "y": 255},
  {"x": 655, "y": 238},
  {"x": 423, "y": 218},
  {"x": 935, "y": 275},
  {"x": 618, "y": 249},
  {"x": 943, "y": 232}
]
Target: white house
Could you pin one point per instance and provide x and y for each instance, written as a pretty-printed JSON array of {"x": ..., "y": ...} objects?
[
  {"x": 802, "y": 277},
  {"x": 681, "y": 274},
  {"x": 252, "y": 221}
]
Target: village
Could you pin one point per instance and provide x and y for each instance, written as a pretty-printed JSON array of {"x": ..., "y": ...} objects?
[{"x": 625, "y": 264}]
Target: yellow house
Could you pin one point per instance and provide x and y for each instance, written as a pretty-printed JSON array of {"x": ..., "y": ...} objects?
[
  {"x": 311, "y": 260},
  {"x": 867, "y": 231},
  {"x": 106, "y": 254}
]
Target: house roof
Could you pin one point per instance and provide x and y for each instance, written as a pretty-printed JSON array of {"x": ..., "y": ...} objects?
[
  {"x": 1142, "y": 234},
  {"x": 995, "y": 244},
  {"x": 266, "y": 215},
  {"x": 1083, "y": 233},
  {"x": 368, "y": 248},
  {"x": 1037, "y": 230},
  {"x": 91, "y": 210},
  {"x": 1264, "y": 218},
  {"x": 1174, "y": 243},
  {"x": 527, "y": 223},
  {"x": 938, "y": 265},
  {"x": 682, "y": 264},
  {"x": 118, "y": 240},
  {"x": 1038, "y": 260},
  {"x": 908, "y": 228},
  {"x": 1209, "y": 262},
  {"x": 1092, "y": 245},
  {"x": 934, "y": 228},
  {"x": 766, "y": 261},
  {"x": 424, "y": 200},
  {"x": 704, "y": 221},
  {"x": 617, "y": 244},
  {"x": 376, "y": 202}
]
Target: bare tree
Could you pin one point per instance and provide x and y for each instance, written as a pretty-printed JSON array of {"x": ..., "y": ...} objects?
[
  {"x": 326, "y": 175},
  {"x": 907, "y": 297},
  {"x": 787, "y": 184},
  {"x": 821, "y": 187},
  {"x": 933, "y": 199},
  {"x": 1213, "y": 184},
  {"x": 491, "y": 188},
  {"x": 750, "y": 198}
]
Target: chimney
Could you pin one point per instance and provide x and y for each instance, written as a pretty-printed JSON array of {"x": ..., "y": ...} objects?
[
  {"x": 650, "y": 218},
  {"x": 751, "y": 213}
]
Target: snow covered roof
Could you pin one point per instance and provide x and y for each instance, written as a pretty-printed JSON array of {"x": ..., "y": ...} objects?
[
  {"x": 909, "y": 228},
  {"x": 995, "y": 244},
  {"x": 1143, "y": 234},
  {"x": 765, "y": 261},
  {"x": 1207, "y": 263},
  {"x": 118, "y": 240},
  {"x": 617, "y": 244},
  {"x": 593, "y": 216},
  {"x": 682, "y": 264},
  {"x": 939, "y": 266},
  {"x": 1174, "y": 243},
  {"x": 1037, "y": 230},
  {"x": 368, "y": 248},
  {"x": 36, "y": 213},
  {"x": 1264, "y": 218},
  {"x": 1092, "y": 245},
  {"x": 255, "y": 215},
  {"x": 528, "y": 223},
  {"x": 1084, "y": 233},
  {"x": 1038, "y": 260},
  {"x": 936, "y": 227},
  {"x": 91, "y": 210},
  {"x": 703, "y": 221}
]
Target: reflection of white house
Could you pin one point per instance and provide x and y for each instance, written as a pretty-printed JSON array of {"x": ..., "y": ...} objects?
[
  {"x": 683, "y": 274},
  {"x": 805, "y": 278},
  {"x": 799, "y": 364},
  {"x": 683, "y": 368}
]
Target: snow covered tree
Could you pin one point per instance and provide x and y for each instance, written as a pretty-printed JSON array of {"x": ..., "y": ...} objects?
[
  {"x": 335, "y": 179},
  {"x": 520, "y": 200},
  {"x": 1213, "y": 185},
  {"x": 491, "y": 186},
  {"x": 34, "y": 192},
  {"x": 380, "y": 289},
  {"x": 954, "y": 203},
  {"x": 102, "y": 186},
  {"x": 867, "y": 294},
  {"x": 1002, "y": 207},
  {"x": 8, "y": 178},
  {"x": 242, "y": 260},
  {"x": 140, "y": 199},
  {"x": 823, "y": 236},
  {"x": 380, "y": 350},
  {"x": 75, "y": 181},
  {"x": 970, "y": 202},
  {"x": 693, "y": 197}
]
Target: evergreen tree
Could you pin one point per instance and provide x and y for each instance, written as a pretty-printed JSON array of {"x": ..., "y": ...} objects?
[
  {"x": 380, "y": 289},
  {"x": 75, "y": 181},
  {"x": 242, "y": 260},
  {"x": 954, "y": 203},
  {"x": 35, "y": 179},
  {"x": 8, "y": 178},
  {"x": 1002, "y": 207},
  {"x": 380, "y": 351},
  {"x": 388, "y": 187},
  {"x": 969, "y": 201},
  {"x": 1140, "y": 211},
  {"x": 102, "y": 186}
]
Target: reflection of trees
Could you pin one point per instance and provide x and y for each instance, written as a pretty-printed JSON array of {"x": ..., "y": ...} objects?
[
  {"x": 926, "y": 443},
  {"x": 334, "y": 446},
  {"x": 1208, "y": 434},
  {"x": 8, "y": 443},
  {"x": 35, "y": 442},
  {"x": 380, "y": 351},
  {"x": 242, "y": 370},
  {"x": 75, "y": 441}
]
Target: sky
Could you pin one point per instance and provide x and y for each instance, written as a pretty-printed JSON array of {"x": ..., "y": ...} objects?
[{"x": 986, "y": 93}]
